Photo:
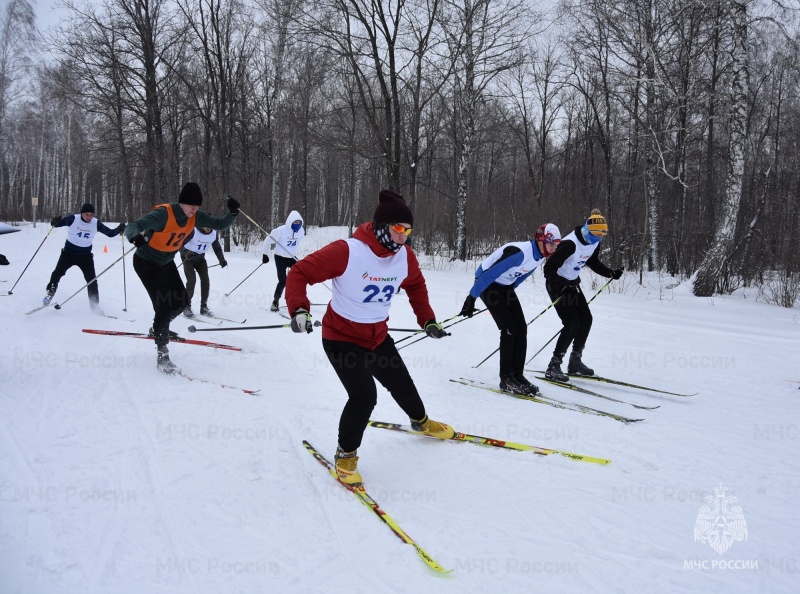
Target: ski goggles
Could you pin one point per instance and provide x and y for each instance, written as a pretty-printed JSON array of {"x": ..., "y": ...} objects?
[{"x": 400, "y": 229}]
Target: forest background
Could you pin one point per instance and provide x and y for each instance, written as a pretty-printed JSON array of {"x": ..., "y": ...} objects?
[{"x": 678, "y": 119}]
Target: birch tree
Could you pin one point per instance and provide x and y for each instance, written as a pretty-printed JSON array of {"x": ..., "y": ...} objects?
[
  {"x": 485, "y": 38},
  {"x": 713, "y": 269}
]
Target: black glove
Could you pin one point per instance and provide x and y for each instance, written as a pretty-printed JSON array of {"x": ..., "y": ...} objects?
[
  {"x": 233, "y": 205},
  {"x": 570, "y": 290},
  {"x": 434, "y": 330},
  {"x": 55, "y": 221},
  {"x": 468, "y": 309},
  {"x": 138, "y": 240},
  {"x": 265, "y": 259},
  {"x": 223, "y": 263},
  {"x": 301, "y": 321},
  {"x": 617, "y": 274},
  {"x": 121, "y": 228}
]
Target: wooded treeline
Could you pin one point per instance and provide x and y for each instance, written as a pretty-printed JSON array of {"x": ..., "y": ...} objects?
[{"x": 679, "y": 119}]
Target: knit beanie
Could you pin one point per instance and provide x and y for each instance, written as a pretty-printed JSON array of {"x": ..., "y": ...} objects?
[
  {"x": 392, "y": 208},
  {"x": 596, "y": 224},
  {"x": 191, "y": 194},
  {"x": 87, "y": 207}
]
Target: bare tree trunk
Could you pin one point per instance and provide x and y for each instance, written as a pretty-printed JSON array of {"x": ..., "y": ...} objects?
[{"x": 713, "y": 270}]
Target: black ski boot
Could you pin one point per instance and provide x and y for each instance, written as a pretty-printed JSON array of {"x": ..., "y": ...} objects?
[
  {"x": 163, "y": 363},
  {"x": 533, "y": 389},
  {"x": 576, "y": 366},
  {"x": 509, "y": 383},
  {"x": 554, "y": 369},
  {"x": 274, "y": 306},
  {"x": 51, "y": 291},
  {"x": 171, "y": 333}
]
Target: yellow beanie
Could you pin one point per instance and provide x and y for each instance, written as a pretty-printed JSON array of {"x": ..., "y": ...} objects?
[{"x": 596, "y": 223}]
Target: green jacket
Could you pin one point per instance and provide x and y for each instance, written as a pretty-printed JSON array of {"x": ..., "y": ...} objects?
[{"x": 156, "y": 220}]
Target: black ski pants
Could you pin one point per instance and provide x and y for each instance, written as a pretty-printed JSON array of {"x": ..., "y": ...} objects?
[
  {"x": 194, "y": 266},
  {"x": 503, "y": 304},
  {"x": 167, "y": 293},
  {"x": 576, "y": 317},
  {"x": 83, "y": 261},
  {"x": 358, "y": 368},
  {"x": 281, "y": 266}
]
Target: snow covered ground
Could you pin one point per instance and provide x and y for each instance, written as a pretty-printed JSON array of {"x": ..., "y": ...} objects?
[{"x": 116, "y": 479}]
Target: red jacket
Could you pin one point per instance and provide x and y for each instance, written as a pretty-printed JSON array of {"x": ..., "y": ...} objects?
[{"x": 330, "y": 262}]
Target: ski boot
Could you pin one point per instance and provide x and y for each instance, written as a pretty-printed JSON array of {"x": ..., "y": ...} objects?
[
  {"x": 554, "y": 372},
  {"x": 164, "y": 364},
  {"x": 204, "y": 311},
  {"x": 576, "y": 366},
  {"x": 188, "y": 312},
  {"x": 274, "y": 306},
  {"x": 172, "y": 335},
  {"x": 433, "y": 428},
  {"x": 51, "y": 291},
  {"x": 509, "y": 383},
  {"x": 346, "y": 467},
  {"x": 533, "y": 389}
]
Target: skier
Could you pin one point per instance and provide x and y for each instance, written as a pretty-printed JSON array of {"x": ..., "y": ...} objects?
[
  {"x": 77, "y": 251},
  {"x": 562, "y": 273},
  {"x": 367, "y": 270},
  {"x": 157, "y": 236},
  {"x": 288, "y": 237},
  {"x": 193, "y": 256},
  {"x": 495, "y": 280}
]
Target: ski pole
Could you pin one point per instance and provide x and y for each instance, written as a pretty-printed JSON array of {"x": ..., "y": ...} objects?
[
  {"x": 245, "y": 278},
  {"x": 124, "y": 280},
  {"x": 59, "y": 306},
  {"x": 212, "y": 266},
  {"x": 265, "y": 232},
  {"x": 278, "y": 243},
  {"x": 11, "y": 291},
  {"x": 317, "y": 324},
  {"x": 528, "y": 324},
  {"x": 559, "y": 332},
  {"x": 426, "y": 334}
]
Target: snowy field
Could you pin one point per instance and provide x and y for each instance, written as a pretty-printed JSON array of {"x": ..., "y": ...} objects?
[{"x": 116, "y": 479}]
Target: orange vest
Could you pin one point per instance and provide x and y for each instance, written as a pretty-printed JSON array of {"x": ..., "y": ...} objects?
[{"x": 171, "y": 238}]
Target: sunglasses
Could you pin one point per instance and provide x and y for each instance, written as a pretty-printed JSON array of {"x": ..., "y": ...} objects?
[{"x": 400, "y": 229}]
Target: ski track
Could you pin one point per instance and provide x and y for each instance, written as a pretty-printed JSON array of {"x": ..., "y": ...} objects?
[{"x": 115, "y": 479}]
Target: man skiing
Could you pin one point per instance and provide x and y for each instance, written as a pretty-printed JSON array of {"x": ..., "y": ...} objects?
[
  {"x": 157, "y": 236},
  {"x": 193, "y": 256},
  {"x": 562, "y": 273},
  {"x": 77, "y": 251},
  {"x": 367, "y": 270},
  {"x": 495, "y": 280},
  {"x": 287, "y": 237}
]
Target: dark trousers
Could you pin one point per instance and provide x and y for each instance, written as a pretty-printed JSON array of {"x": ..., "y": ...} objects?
[
  {"x": 282, "y": 265},
  {"x": 167, "y": 293},
  {"x": 194, "y": 266},
  {"x": 358, "y": 368},
  {"x": 576, "y": 317},
  {"x": 83, "y": 261},
  {"x": 502, "y": 303}
]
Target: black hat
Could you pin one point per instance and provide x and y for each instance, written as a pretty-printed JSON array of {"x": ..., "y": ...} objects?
[
  {"x": 392, "y": 208},
  {"x": 191, "y": 194},
  {"x": 88, "y": 207}
]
